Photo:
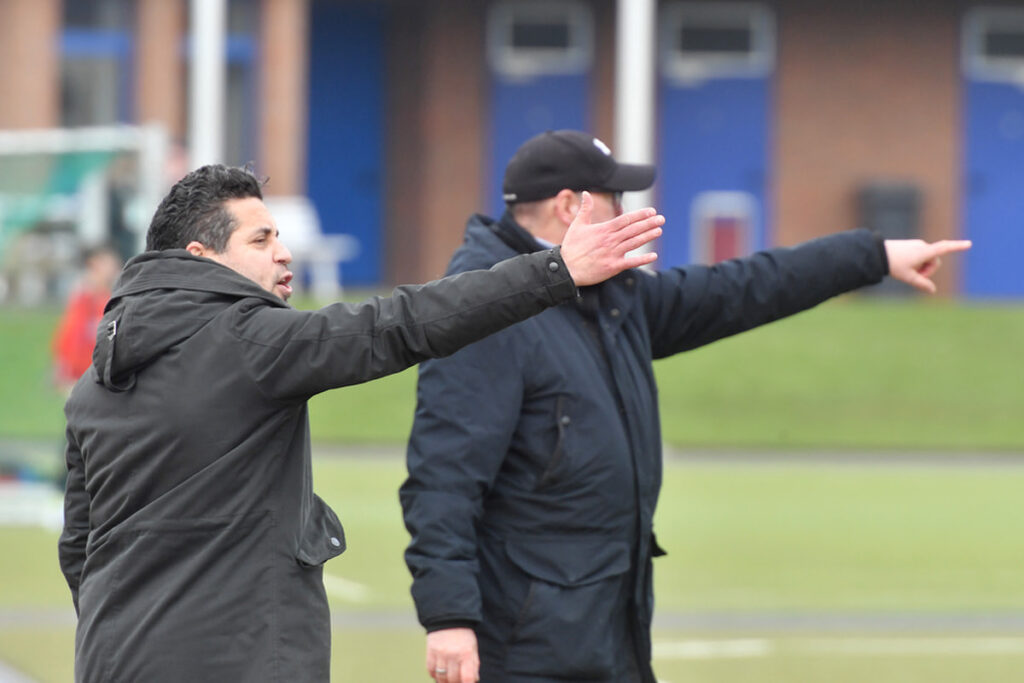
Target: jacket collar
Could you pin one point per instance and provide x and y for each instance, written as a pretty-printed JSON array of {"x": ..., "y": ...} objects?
[
  {"x": 514, "y": 235},
  {"x": 178, "y": 269}
]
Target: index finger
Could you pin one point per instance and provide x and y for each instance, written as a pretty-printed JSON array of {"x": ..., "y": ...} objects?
[
  {"x": 949, "y": 246},
  {"x": 628, "y": 219}
]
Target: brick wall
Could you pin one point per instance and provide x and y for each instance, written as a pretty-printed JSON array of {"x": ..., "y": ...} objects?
[
  {"x": 29, "y": 66},
  {"x": 284, "y": 96},
  {"x": 436, "y": 128},
  {"x": 866, "y": 91},
  {"x": 160, "y": 73}
]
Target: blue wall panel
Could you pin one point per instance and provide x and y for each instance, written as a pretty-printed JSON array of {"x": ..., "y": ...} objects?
[
  {"x": 117, "y": 46},
  {"x": 346, "y": 111},
  {"x": 522, "y": 109},
  {"x": 994, "y": 189},
  {"x": 712, "y": 137}
]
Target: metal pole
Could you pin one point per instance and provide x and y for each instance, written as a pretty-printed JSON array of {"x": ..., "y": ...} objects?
[
  {"x": 208, "y": 78},
  {"x": 154, "y": 149},
  {"x": 635, "y": 42}
]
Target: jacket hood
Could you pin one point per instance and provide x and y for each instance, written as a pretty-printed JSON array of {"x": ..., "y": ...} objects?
[{"x": 161, "y": 299}]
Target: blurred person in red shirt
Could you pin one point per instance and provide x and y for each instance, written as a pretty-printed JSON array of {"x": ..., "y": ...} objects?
[{"x": 75, "y": 337}]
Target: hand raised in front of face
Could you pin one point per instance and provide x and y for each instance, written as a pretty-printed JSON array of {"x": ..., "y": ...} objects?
[{"x": 594, "y": 252}]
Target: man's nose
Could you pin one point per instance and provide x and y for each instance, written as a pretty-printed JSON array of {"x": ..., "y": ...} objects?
[{"x": 283, "y": 255}]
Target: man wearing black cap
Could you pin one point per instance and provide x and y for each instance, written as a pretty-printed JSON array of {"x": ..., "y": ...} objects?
[{"x": 535, "y": 456}]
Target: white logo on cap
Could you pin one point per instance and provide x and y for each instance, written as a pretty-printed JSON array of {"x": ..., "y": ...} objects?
[{"x": 603, "y": 147}]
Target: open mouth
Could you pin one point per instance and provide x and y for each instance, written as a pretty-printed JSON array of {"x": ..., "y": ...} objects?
[{"x": 285, "y": 285}]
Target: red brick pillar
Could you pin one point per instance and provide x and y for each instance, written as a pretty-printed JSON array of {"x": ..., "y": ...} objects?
[
  {"x": 29, "y": 63},
  {"x": 160, "y": 75},
  {"x": 284, "y": 98},
  {"x": 436, "y": 133}
]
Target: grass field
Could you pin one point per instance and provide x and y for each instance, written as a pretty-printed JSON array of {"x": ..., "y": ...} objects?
[
  {"x": 854, "y": 373},
  {"x": 752, "y": 546},
  {"x": 938, "y": 542}
]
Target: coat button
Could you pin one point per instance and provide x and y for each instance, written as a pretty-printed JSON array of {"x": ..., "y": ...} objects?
[
  {"x": 552, "y": 266},
  {"x": 629, "y": 281},
  {"x": 335, "y": 542},
  {"x": 566, "y": 419},
  {"x": 614, "y": 312}
]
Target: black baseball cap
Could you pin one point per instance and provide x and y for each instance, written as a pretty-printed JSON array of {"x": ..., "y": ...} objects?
[{"x": 556, "y": 160}]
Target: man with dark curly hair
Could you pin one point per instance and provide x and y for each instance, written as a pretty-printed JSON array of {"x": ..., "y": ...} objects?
[{"x": 193, "y": 543}]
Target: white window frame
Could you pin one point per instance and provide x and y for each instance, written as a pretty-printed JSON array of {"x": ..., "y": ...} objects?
[
  {"x": 742, "y": 206},
  {"x": 975, "y": 63},
  {"x": 696, "y": 67},
  {"x": 518, "y": 63}
]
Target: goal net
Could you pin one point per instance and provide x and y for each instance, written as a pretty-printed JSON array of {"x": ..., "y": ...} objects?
[{"x": 68, "y": 189}]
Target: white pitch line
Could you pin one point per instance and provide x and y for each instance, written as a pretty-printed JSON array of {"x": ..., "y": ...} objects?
[
  {"x": 343, "y": 589},
  {"x": 978, "y": 645},
  {"x": 850, "y": 647},
  {"x": 9, "y": 675},
  {"x": 712, "y": 649}
]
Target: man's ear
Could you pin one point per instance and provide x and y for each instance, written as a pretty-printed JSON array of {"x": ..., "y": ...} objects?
[
  {"x": 196, "y": 248},
  {"x": 566, "y": 204}
]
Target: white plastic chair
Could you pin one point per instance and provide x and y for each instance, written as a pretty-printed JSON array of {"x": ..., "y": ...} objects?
[{"x": 314, "y": 254}]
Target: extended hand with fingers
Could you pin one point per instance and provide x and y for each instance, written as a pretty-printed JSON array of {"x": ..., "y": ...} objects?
[
  {"x": 452, "y": 656},
  {"x": 915, "y": 261},
  {"x": 595, "y": 252}
]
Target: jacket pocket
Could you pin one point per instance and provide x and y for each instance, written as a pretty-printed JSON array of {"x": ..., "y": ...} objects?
[
  {"x": 322, "y": 536},
  {"x": 562, "y": 422},
  {"x": 572, "y": 622}
]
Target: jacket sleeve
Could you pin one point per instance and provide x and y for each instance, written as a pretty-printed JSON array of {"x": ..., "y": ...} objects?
[
  {"x": 696, "y": 305},
  {"x": 295, "y": 355},
  {"x": 467, "y": 409},
  {"x": 71, "y": 546}
]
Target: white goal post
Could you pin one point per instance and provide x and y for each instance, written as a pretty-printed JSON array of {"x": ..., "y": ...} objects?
[
  {"x": 150, "y": 143},
  {"x": 65, "y": 175}
]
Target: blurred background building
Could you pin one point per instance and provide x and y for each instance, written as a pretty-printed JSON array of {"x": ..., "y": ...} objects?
[{"x": 770, "y": 122}]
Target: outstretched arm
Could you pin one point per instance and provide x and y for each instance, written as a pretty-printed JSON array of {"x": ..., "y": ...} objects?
[
  {"x": 295, "y": 356},
  {"x": 691, "y": 306},
  {"x": 915, "y": 261}
]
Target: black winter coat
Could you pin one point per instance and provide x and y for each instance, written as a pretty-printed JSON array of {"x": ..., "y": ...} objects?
[
  {"x": 535, "y": 455},
  {"x": 193, "y": 542}
]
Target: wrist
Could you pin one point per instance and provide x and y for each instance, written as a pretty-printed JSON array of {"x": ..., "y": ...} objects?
[
  {"x": 449, "y": 624},
  {"x": 883, "y": 251}
]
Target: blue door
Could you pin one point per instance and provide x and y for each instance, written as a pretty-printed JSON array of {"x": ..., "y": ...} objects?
[
  {"x": 540, "y": 59},
  {"x": 713, "y": 122},
  {"x": 994, "y": 151},
  {"x": 345, "y": 155},
  {"x": 524, "y": 109}
]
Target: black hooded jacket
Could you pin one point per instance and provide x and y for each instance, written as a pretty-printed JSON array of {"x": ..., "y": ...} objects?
[
  {"x": 193, "y": 542},
  {"x": 535, "y": 454}
]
